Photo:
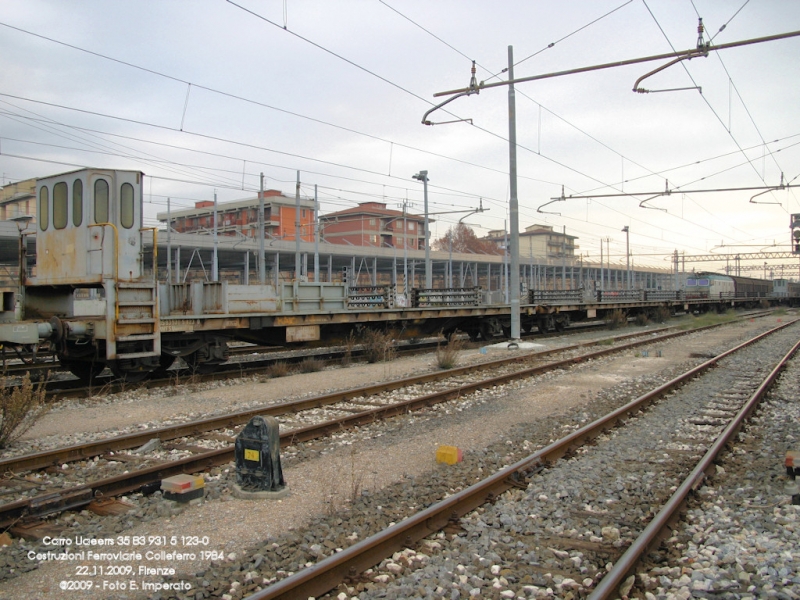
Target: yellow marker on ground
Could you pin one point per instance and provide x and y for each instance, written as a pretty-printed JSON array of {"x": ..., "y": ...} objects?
[{"x": 449, "y": 455}]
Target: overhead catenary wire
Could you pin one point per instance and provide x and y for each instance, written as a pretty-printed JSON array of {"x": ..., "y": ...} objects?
[
  {"x": 126, "y": 63},
  {"x": 191, "y": 133},
  {"x": 241, "y": 98},
  {"x": 248, "y": 158},
  {"x": 703, "y": 97}
]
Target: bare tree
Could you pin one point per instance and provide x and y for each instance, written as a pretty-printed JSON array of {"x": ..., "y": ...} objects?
[{"x": 465, "y": 240}]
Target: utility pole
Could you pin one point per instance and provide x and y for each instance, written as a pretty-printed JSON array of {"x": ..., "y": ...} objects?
[
  {"x": 602, "y": 275},
  {"x": 215, "y": 261},
  {"x": 405, "y": 249},
  {"x": 513, "y": 201},
  {"x": 677, "y": 270},
  {"x": 316, "y": 235},
  {"x": 627, "y": 256},
  {"x": 564, "y": 259},
  {"x": 262, "y": 259},
  {"x": 297, "y": 229},
  {"x": 169, "y": 244},
  {"x": 702, "y": 50},
  {"x": 423, "y": 177}
]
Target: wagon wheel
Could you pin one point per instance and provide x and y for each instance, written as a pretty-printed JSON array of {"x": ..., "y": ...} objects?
[
  {"x": 164, "y": 363},
  {"x": 130, "y": 371},
  {"x": 199, "y": 367},
  {"x": 84, "y": 370}
]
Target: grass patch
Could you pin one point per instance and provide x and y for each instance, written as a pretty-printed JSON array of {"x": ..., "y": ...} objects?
[
  {"x": 311, "y": 365},
  {"x": 617, "y": 320},
  {"x": 378, "y": 346},
  {"x": 707, "y": 319},
  {"x": 661, "y": 314},
  {"x": 349, "y": 346},
  {"x": 278, "y": 369},
  {"x": 20, "y": 408},
  {"x": 447, "y": 355}
]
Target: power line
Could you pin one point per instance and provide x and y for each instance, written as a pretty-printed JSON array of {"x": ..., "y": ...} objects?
[
  {"x": 248, "y": 100},
  {"x": 577, "y": 128},
  {"x": 708, "y": 104}
]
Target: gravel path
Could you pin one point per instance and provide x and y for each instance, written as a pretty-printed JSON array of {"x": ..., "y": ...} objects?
[{"x": 366, "y": 469}]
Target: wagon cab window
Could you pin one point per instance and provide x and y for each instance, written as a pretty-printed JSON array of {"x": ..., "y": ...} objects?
[
  {"x": 60, "y": 205},
  {"x": 77, "y": 202},
  {"x": 101, "y": 201},
  {"x": 126, "y": 205},
  {"x": 44, "y": 208}
]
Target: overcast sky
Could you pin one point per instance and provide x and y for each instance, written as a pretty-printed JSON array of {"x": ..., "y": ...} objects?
[{"x": 205, "y": 95}]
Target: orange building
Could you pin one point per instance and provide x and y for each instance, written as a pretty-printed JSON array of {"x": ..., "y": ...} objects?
[
  {"x": 372, "y": 224},
  {"x": 241, "y": 217}
]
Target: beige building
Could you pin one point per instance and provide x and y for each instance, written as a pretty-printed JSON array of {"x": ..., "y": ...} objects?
[
  {"x": 539, "y": 241},
  {"x": 18, "y": 201}
]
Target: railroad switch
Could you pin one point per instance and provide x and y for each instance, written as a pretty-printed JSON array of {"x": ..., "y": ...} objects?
[{"x": 258, "y": 460}]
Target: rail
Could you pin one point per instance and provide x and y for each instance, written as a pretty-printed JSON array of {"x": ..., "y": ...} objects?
[
  {"x": 608, "y": 586},
  {"x": 555, "y": 296},
  {"x": 323, "y": 576},
  {"x": 620, "y": 296},
  {"x": 446, "y": 297},
  {"x": 662, "y": 295},
  {"x": 370, "y": 296}
]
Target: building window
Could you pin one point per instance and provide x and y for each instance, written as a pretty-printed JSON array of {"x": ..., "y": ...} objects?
[
  {"x": 412, "y": 226},
  {"x": 101, "y": 201},
  {"x": 126, "y": 203},
  {"x": 77, "y": 202},
  {"x": 60, "y": 205},
  {"x": 44, "y": 208},
  {"x": 372, "y": 223}
]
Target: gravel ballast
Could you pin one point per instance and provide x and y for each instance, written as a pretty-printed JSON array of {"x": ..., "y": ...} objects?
[{"x": 380, "y": 473}]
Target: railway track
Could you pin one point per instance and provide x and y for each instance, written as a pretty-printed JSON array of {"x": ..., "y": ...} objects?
[
  {"x": 253, "y": 362},
  {"x": 566, "y": 527},
  {"x": 259, "y": 535},
  {"x": 198, "y": 445}
]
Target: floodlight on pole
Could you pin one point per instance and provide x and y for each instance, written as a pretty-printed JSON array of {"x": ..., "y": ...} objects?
[
  {"x": 423, "y": 177},
  {"x": 627, "y": 255}
]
